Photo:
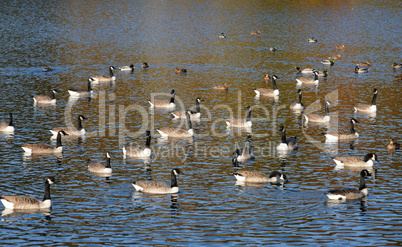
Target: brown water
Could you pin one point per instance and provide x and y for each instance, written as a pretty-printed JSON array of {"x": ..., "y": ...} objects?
[{"x": 78, "y": 40}]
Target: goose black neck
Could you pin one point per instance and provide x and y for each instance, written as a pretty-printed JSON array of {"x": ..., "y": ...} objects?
[
  {"x": 108, "y": 163},
  {"x": 172, "y": 99},
  {"x": 79, "y": 124},
  {"x": 284, "y": 136},
  {"x": 53, "y": 96},
  {"x": 315, "y": 76},
  {"x": 248, "y": 115},
  {"x": 274, "y": 84},
  {"x": 374, "y": 100},
  {"x": 326, "y": 108},
  {"x": 148, "y": 141},
  {"x": 10, "y": 123},
  {"x": 189, "y": 124},
  {"x": 89, "y": 86},
  {"x": 58, "y": 141},
  {"x": 110, "y": 72},
  {"x": 362, "y": 183},
  {"x": 352, "y": 127},
  {"x": 197, "y": 106},
  {"x": 300, "y": 98},
  {"x": 47, "y": 191},
  {"x": 173, "y": 180}
]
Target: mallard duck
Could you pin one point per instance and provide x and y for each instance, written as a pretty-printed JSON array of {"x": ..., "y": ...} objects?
[
  {"x": 221, "y": 87},
  {"x": 145, "y": 65},
  {"x": 222, "y": 36},
  {"x": 340, "y": 47},
  {"x": 180, "y": 71},
  {"x": 267, "y": 77},
  {"x": 393, "y": 145},
  {"x": 254, "y": 33},
  {"x": 397, "y": 65},
  {"x": 305, "y": 71},
  {"x": 47, "y": 69},
  {"x": 312, "y": 40},
  {"x": 273, "y": 48},
  {"x": 323, "y": 73},
  {"x": 368, "y": 64},
  {"x": 328, "y": 61},
  {"x": 398, "y": 77},
  {"x": 361, "y": 70},
  {"x": 127, "y": 68},
  {"x": 351, "y": 193}
]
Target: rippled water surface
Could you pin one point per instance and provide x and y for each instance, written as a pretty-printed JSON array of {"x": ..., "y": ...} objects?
[{"x": 78, "y": 40}]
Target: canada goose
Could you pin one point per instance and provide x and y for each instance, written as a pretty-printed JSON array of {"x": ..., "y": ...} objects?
[
  {"x": 316, "y": 118},
  {"x": 78, "y": 92},
  {"x": 7, "y": 126},
  {"x": 98, "y": 167},
  {"x": 335, "y": 57},
  {"x": 368, "y": 64},
  {"x": 312, "y": 40},
  {"x": 180, "y": 71},
  {"x": 297, "y": 104},
  {"x": 258, "y": 177},
  {"x": 42, "y": 99},
  {"x": 343, "y": 135},
  {"x": 393, "y": 145},
  {"x": 29, "y": 202},
  {"x": 356, "y": 161},
  {"x": 397, "y": 65},
  {"x": 287, "y": 144},
  {"x": 178, "y": 133},
  {"x": 159, "y": 103},
  {"x": 243, "y": 154},
  {"x": 240, "y": 122},
  {"x": 305, "y": 71},
  {"x": 194, "y": 115},
  {"x": 323, "y": 73},
  {"x": 328, "y": 61},
  {"x": 341, "y": 47},
  {"x": 103, "y": 78},
  {"x": 71, "y": 131},
  {"x": 351, "y": 193},
  {"x": 145, "y": 65},
  {"x": 137, "y": 152},
  {"x": 273, "y": 48},
  {"x": 308, "y": 81},
  {"x": 361, "y": 70},
  {"x": 47, "y": 69},
  {"x": 221, "y": 87},
  {"x": 254, "y": 33},
  {"x": 42, "y": 148},
  {"x": 367, "y": 107},
  {"x": 222, "y": 36},
  {"x": 156, "y": 187},
  {"x": 268, "y": 91},
  {"x": 127, "y": 68}
]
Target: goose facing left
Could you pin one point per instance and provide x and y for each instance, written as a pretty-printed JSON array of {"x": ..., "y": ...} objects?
[
  {"x": 7, "y": 126},
  {"x": 243, "y": 154},
  {"x": 368, "y": 108},
  {"x": 42, "y": 148},
  {"x": 71, "y": 131},
  {"x": 103, "y": 78},
  {"x": 28, "y": 202},
  {"x": 156, "y": 187},
  {"x": 99, "y": 167},
  {"x": 43, "y": 99},
  {"x": 351, "y": 193}
]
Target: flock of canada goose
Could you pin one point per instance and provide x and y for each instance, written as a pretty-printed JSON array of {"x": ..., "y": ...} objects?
[{"x": 239, "y": 155}]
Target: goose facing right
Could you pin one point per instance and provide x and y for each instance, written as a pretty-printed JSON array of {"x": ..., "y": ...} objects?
[
  {"x": 99, "y": 167},
  {"x": 194, "y": 115},
  {"x": 29, "y": 202},
  {"x": 297, "y": 105},
  {"x": 368, "y": 108},
  {"x": 368, "y": 160},
  {"x": 316, "y": 118},
  {"x": 392, "y": 145},
  {"x": 42, "y": 148},
  {"x": 240, "y": 122},
  {"x": 103, "y": 78},
  {"x": 274, "y": 92},
  {"x": 43, "y": 99},
  {"x": 127, "y": 68},
  {"x": 259, "y": 177},
  {"x": 7, "y": 127},
  {"x": 351, "y": 193},
  {"x": 156, "y": 187},
  {"x": 80, "y": 92},
  {"x": 137, "y": 152},
  {"x": 71, "y": 131},
  {"x": 177, "y": 132},
  {"x": 287, "y": 144},
  {"x": 308, "y": 81},
  {"x": 161, "y": 103},
  {"x": 343, "y": 135}
]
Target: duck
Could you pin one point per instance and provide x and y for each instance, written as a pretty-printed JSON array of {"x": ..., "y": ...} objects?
[
  {"x": 341, "y": 47},
  {"x": 323, "y": 73},
  {"x": 194, "y": 115},
  {"x": 312, "y": 40},
  {"x": 316, "y": 118},
  {"x": 43, "y": 99},
  {"x": 355, "y": 161},
  {"x": 398, "y": 77},
  {"x": 397, "y": 65},
  {"x": 255, "y": 33},
  {"x": 361, "y": 70},
  {"x": 127, "y": 68},
  {"x": 351, "y": 193},
  {"x": 79, "y": 92},
  {"x": 177, "y": 132},
  {"x": 259, "y": 177},
  {"x": 393, "y": 145},
  {"x": 222, "y": 36},
  {"x": 99, "y": 167},
  {"x": 103, "y": 78},
  {"x": 71, "y": 131},
  {"x": 273, "y": 48},
  {"x": 297, "y": 104},
  {"x": 180, "y": 71},
  {"x": 268, "y": 91},
  {"x": 267, "y": 77},
  {"x": 156, "y": 187},
  {"x": 335, "y": 57},
  {"x": 145, "y": 65},
  {"x": 287, "y": 144},
  {"x": 160, "y": 103},
  {"x": 42, "y": 148},
  {"x": 243, "y": 154},
  {"x": 47, "y": 69},
  {"x": 308, "y": 81},
  {"x": 343, "y": 135},
  {"x": 367, "y": 108},
  {"x": 221, "y": 87},
  {"x": 138, "y": 152},
  {"x": 328, "y": 61},
  {"x": 29, "y": 202},
  {"x": 368, "y": 64},
  {"x": 7, "y": 126},
  {"x": 305, "y": 71},
  {"x": 240, "y": 122}
]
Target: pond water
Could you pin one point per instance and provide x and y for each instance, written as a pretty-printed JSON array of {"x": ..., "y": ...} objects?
[{"x": 77, "y": 40}]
